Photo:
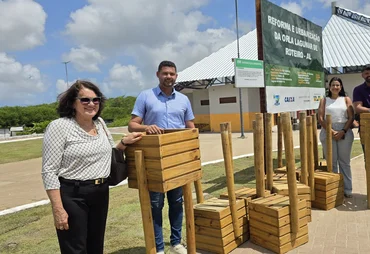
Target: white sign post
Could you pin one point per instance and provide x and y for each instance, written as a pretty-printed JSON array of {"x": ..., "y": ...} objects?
[{"x": 249, "y": 73}]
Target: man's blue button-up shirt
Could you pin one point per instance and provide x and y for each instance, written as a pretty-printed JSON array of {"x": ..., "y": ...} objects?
[{"x": 167, "y": 112}]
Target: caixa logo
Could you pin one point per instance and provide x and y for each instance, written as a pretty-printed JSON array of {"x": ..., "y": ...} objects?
[
  {"x": 317, "y": 98},
  {"x": 289, "y": 99}
]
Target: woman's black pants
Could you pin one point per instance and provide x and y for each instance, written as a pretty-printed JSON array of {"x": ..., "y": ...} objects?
[{"x": 87, "y": 207}]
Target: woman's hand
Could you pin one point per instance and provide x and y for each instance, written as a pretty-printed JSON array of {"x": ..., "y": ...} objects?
[
  {"x": 338, "y": 135},
  {"x": 60, "y": 218},
  {"x": 132, "y": 137}
]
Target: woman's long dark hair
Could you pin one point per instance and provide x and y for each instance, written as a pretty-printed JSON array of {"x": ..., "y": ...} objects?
[
  {"x": 67, "y": 99},
  {"x": 342, "y": 93}
]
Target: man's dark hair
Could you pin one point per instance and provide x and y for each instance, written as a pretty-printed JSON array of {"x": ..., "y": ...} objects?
[
  {"x": 166, "y": 64},
  {"x": 342, "y": 93},
  {"x": 68, "y": 98},
  {"x": 366, "y": 68}
]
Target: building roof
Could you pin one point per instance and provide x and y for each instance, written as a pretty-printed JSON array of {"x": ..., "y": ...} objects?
[
  {"x": 219, "y": 64},
  {"x": 339, "y": 37},
  {"x": 346, "y": 43}
]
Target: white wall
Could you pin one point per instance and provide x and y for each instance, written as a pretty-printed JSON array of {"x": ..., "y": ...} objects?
[
  {"x": 217, "y": 92},
  {"x": 350, "y": 81},
  {"x": 198, "y": 95}
]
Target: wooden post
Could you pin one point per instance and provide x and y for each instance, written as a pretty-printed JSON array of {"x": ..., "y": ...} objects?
[
  {"x": 315, "y": 142},
  {"x": 268, "y": 150},
  {"x": 365, "y": 134},
  {"x": 303, "y": 147},
  {"x": 229, "y": 169},
  {"x": 146, "y": 211},
  {"x": 189, "y": 215},
  {"x": 329, "y": 144},
  {"x": 199, "y": 191},
  {"x": 259, "y": 161},
  {"x": 279, "y": 143},
  {"x": 310, "y": 158},
  {"x": 292, "y": 182}
]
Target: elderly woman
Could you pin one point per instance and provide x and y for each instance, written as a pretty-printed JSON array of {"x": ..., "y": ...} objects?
[
  {"x": 75, "y": 165},
  {"x": 339, "y": 106}
]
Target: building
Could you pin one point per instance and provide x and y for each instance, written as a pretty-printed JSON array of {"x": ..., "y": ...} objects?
[{"x": 209, "y": 83}]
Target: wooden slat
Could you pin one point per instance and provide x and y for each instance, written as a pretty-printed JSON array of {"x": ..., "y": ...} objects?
[
  {"x": 330, "y": 199},
  {"x": 169, "y": 184},
  {"x": 223, "y": 241},
  {"x": 169, "y": 161},
  {"x": 282, "y": 188},
  {"x": 273, "y": 221},
  {"x": 277, "y": 213},
  {"x": 275, "y": 230},
  {"x": 170, "y": 136},
  {"x": 329, "y": 186},
  {"x": 216, "y": 209},
  {"x": 179, "y": 136},
  {"x": 329, "y": 206},
  {"x": 278, "y": 241},
  {"x": 176, "y": 171},
  {"x": 224, "y": 249},
  {"x": 325, "y": 178},
  {"x": 163, "y": 151},
  {"x": 218, "y": 224},
  {"x": 217, "y": 233},
  {"x": 280, "y": 249},
  {"x": 327, "y": 194},
  {"x": 181, "y": 147}
]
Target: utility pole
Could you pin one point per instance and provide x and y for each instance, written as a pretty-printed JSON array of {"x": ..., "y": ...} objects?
[
  {"x": 65, "y": 65},
  {"x": 240, "y": 90}
]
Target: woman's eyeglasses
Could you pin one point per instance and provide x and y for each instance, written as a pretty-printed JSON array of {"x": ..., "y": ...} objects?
[{"x": 86, "y": 101}]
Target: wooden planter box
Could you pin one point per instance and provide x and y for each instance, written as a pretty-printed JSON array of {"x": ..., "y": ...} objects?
[
  {"x": 214, "y": 229},
  {"x": 269, "y": 220},
  {"x": 329, "y": 190},
  {"x": 172, "y": 159},
  {"x": 304, "y": 192},
  {"x": 246, "y": 194}
]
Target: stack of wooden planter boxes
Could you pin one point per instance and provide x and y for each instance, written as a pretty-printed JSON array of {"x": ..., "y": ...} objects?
[
  {"x": 329, "y": 190},
  {"x": 270, "y": 223},
  {"x": 304, "y": 193},
  {"x": 214, "y": 229},
  {"x": 171, "y": 159}
]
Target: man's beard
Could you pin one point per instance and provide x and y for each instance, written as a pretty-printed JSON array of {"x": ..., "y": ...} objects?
[
  {"x": 168, "y": 83},
  {"x": 367, "y": 79}
]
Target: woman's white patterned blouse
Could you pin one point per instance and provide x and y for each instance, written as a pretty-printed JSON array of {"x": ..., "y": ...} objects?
[{"x": 70, "y": 152}]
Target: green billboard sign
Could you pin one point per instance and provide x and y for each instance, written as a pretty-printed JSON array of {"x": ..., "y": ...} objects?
[{"x": 293, "y": 57}]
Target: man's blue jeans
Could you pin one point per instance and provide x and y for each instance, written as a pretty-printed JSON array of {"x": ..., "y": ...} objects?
[{"x": 175, "y": 215}]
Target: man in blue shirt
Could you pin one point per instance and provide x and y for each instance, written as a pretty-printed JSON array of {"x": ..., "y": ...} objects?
[{"x": 157, "y": 109}]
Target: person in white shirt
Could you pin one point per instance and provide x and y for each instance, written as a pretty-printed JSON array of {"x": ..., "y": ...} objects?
[{"x": 339, "y": 106}]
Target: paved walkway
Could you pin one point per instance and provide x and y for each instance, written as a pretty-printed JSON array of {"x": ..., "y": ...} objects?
[{"x": 342, "y": 230}]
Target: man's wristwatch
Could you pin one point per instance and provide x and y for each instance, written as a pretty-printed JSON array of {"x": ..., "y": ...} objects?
[{"x": 344, "y": 131}]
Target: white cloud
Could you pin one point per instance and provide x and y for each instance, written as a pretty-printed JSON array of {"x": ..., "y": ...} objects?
[
  {"x": 18, "y": 82},
  {"x": 125, "y": 78},
  {"x": 61, "y": 86},
  {"x": 84, "y": 59},
  {"x": 22, "y": 25},
  {"x": 293, "y": 7},
  {"x": 147, "y": 32},
  {"x": 353, "y": 4}
]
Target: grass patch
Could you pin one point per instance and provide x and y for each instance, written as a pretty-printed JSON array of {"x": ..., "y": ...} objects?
[
  {"x": 32, "y": 231},
  {"x": 25, "y": 150}
]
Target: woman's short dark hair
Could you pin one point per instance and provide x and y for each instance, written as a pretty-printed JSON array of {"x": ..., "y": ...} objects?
[
  {"x": 68, "y": 98},
  {"x": 342, "y": 93}
]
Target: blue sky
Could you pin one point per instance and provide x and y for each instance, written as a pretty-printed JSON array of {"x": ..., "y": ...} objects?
[{"x": 118, "y": 43}]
